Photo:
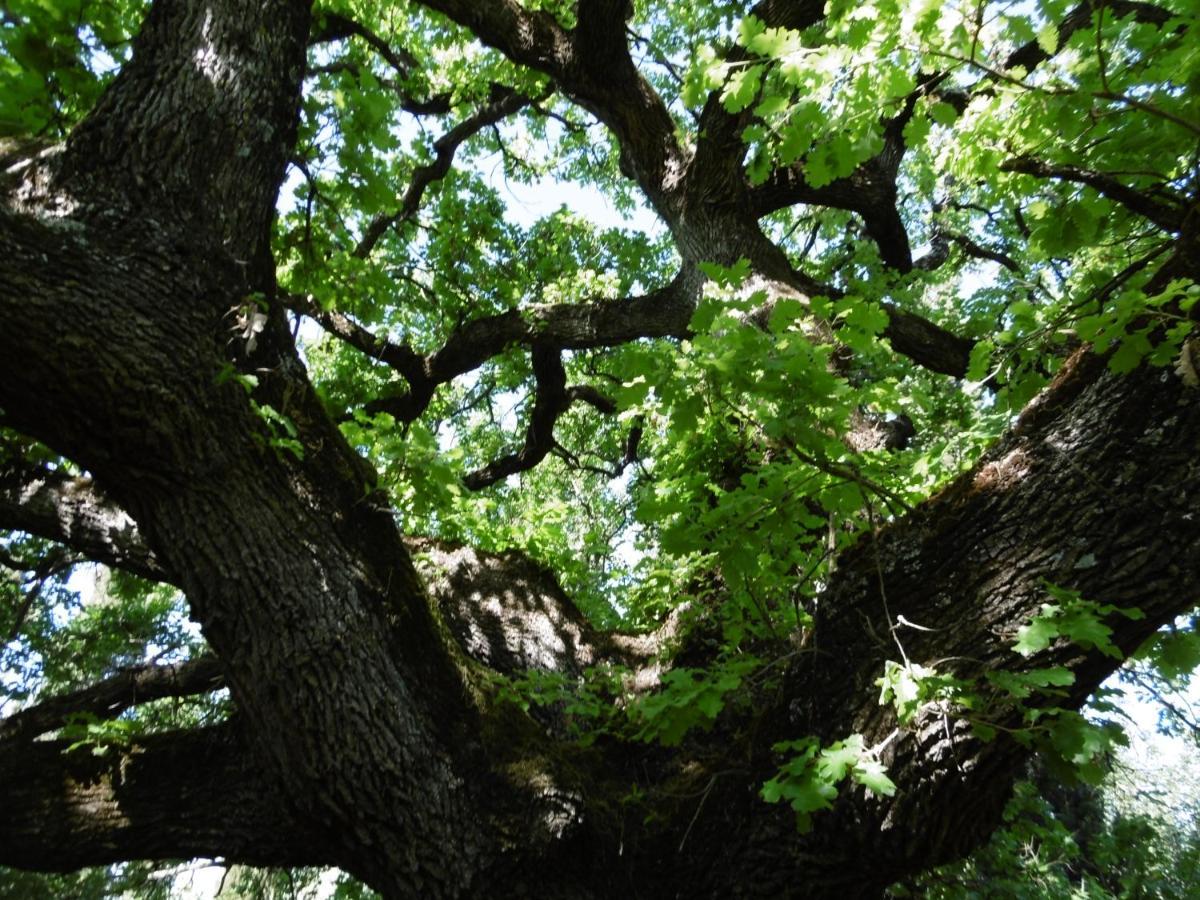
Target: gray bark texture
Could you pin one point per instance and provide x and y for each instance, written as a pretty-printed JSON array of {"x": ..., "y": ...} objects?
[{"x": 368, "y": 734}]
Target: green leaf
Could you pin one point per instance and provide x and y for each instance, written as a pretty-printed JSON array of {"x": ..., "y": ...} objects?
[
  {"x": 727, "y": 276},
  {"x": 742, "y": 88},
  {"x": 873, "y": 776},
  {"x": 839, "y": 758},
  {"x": 1037, "y": 635},
  {"x": 772, "y": 106},
  {"x": 916, "y": 130},
  {"x": 943, "y": 113},
  {"x": 1047, "y": 38}
]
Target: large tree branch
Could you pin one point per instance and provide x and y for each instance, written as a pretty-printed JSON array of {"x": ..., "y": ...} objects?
[
  {"x": 171, "y": 796},
  {"x": 1092, "y": 491},
  {"x": 232, "y": 117},
  {"x": 111, "y": 697},
  {"x": 927, "y": 344},
  {"x": 1167, "y": 217},
  {"x": 600, "y": 27},
  {"x": 530, "y": 37},
  {"x": 70, "y": 510},
  {"x": 666, "y": 312},
  {"x": 1032, "y": 54},
  {"x": 716, "y": 173},
  {"x": 591, "y": 64}
]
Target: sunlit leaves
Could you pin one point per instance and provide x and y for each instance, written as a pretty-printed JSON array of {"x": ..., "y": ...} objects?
[
  {"x": 689, "y": 699},
  {"x": 1073, "y": 618},
  {"x": 808, "y": 780},
  {"x": 55, "y": 57}
]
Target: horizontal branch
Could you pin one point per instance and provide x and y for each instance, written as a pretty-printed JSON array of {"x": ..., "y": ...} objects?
[
  {"x": 1166, "y": 217},
  {"x": 111, "y": 697},
  {"x": 71, "y": 510},
  {"x": 666, "y": 312},
  {"x": 567, "y": 326},
  {"x": 171, "y": 796}
]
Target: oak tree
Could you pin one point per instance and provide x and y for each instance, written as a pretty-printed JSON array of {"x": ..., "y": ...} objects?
[{"x": 748, "y": 551}]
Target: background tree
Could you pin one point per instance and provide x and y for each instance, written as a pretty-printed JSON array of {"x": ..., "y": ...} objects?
[{"x": 897, "y": 407}]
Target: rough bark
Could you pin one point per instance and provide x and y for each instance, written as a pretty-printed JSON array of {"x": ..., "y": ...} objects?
[
  {"x": 70, "y": 510},
  {"x": 176, "y": 796},
  {"x": 111, "y": 697}
]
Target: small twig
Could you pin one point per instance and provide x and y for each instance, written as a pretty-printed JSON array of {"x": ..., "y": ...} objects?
[
  {"x": 879, "y": 574},
  {"x": 900, "y": 620},
  {"x": 696, "y": 814}
]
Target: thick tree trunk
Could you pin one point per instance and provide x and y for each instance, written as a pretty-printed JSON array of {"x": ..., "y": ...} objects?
[{"x": 125, "y": 257}]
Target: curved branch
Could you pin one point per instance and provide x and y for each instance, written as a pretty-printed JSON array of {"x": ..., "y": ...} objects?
[
  {"x": 70, "y": 510},
  {"x": 171, "y": 796},
  {"x": 111, "y": 697},
  {"x": 593, "y": 65},
  {"x": 1162, "y": 215},
  {"x": 553, "y": 398},
  {"x": 869, "y": 191},
  {"x": 978, "y": 251},
  {"x": 505, "y": 103},
  {"x": 331, "y": 26}
]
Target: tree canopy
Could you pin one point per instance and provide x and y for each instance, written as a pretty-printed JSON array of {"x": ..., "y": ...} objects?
[{"x": 739, "y": 527}]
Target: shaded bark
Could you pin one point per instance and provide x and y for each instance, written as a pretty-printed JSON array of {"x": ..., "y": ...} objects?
[
  {"x": 173, "y": 796},
  {"x": 69, "y": 510}
]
